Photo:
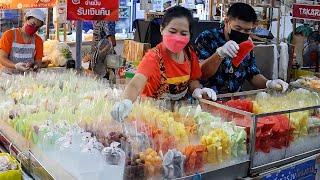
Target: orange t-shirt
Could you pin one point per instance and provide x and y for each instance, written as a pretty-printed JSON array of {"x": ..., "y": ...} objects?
[
  {"x": 176, "y": 73},
  {"x": 8, "y": 38}
]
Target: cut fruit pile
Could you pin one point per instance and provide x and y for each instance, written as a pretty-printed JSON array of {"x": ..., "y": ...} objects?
[{"x": 276, "y": 131}]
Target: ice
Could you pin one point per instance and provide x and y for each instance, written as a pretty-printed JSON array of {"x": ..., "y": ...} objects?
[
  {"x": 302, "y": 145},
  {"x": 227, "y": 163},
  {"x": 83, "y": 165},
  {"x": 298, "y": 146},
  {"x": 261, "y": 158}
]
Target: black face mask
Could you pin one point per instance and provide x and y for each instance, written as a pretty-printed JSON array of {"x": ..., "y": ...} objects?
[{"x": 238, "y": 36}]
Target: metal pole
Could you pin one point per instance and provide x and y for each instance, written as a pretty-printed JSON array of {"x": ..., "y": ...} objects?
[
  {"x": 293, "y": 24},
  {"x": 278, "y": 25},
  {"x": 78, "y": 44},
  {"x": 284, "y": 20},
  {"x": 252, "y": 145},
  {"x": 49, "y": 20}
]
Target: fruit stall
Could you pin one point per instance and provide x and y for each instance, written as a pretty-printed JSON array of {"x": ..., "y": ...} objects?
[{"x": 59, "y": 127}]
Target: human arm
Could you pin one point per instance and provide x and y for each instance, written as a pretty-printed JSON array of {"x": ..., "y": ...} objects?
[
  {"x": 9, "y": 64},
  {"x": 5, "y": 48},
  {"x": 210, "y": 66},
  {"x": 146, "y": 69},
  {"x": 4, "y": 60},
  {"x": 194, "y": 86},
  {"x": 123, "y": 108},
  {"x": 38, "y": 53},
  {"x": 259, "y": 81},
  {"x": 207, "y": 46},
  {"x": 206, "y": 49},
  {"x": 135, "y": 87}
]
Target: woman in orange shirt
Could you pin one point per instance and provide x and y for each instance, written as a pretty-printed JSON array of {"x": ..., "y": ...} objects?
[
  {"x": 20, "y": 48},
  {"x": 169, "y": 70}
]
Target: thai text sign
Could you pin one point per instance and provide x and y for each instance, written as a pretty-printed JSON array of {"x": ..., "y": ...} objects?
[{"x": 93, "y": 10}]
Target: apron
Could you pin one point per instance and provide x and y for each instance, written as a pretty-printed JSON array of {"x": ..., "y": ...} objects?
[
  {"x": 20, "y": 53},
  {"x": 172, "y": 92}
]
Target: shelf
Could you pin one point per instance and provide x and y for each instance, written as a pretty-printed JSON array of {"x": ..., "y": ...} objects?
[
  {"x": 265, "y": 6},
  {"x": 259, "y": 5}
]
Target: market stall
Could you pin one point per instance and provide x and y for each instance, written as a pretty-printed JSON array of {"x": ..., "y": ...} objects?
[
  {"x": 69, "y": 132},
  {"x": 58, "y": 131},
  {"x": 57, "y": 122}
]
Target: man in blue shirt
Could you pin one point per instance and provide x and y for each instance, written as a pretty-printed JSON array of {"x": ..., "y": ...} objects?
[{"x": 217, "y": 47}]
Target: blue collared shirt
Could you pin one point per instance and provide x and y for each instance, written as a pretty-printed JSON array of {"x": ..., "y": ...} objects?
[{"x": 228, "y": 78}]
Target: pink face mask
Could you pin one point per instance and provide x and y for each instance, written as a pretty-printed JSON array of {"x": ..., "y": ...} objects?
[
  {"x": 174, "y": 42},
  {"x": 30, "y": 29}
]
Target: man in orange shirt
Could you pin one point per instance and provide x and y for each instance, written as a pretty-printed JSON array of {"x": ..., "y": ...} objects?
[{"x": 21, "y": 49}]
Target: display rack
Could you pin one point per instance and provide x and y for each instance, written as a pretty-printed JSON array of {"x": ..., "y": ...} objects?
[
  {"x": 39, "y": 166},
  {"x": 33, "y": 161},
  {"x": 271, "y": 163}
]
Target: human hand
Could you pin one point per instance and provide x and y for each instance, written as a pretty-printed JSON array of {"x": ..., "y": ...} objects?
[
  {"x": 277, "y": 84},
  {"x": 229, "y": 49},
  {"x": 21, "y": 66},
  {"x": 198, "y": 93},
  {"x": 121, "y": 110}
]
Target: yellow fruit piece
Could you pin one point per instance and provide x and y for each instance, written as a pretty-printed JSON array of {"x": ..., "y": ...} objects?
[
  {"x": 148, "y": 151},
  {"x": 142, "y": 156},
  {"x": 158, "y": 159},
  {"x": 149, "y": 158}
]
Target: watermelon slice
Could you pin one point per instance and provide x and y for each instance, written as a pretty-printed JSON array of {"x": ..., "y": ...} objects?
[{"x": 244, "y": 49}]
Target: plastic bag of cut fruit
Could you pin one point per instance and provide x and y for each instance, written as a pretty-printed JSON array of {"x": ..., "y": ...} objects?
[
  {"x": 173, "y": 164},
  {"x": 185, "y": 115},
  {"x": 113, "y": 154},
  {"x": 144, "y": 157},
  {"x": 135, "y": 168},
  {"x": 153, "y": 162},
  {"x": 194, "y": 161}
]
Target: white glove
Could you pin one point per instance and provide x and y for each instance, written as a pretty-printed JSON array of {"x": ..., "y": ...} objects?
[
  {"x": 198, "y": 92},
  {"x": 277, "y": 84},
  {"x": 21, "y": 66},
  {"x": 121, "y": 110},
  {"x": 229, "y": 49}
]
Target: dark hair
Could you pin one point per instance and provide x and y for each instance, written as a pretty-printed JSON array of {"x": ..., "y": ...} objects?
[
  {"x": 179, "y": 12},
  {"x": 242, "y": 11}
]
